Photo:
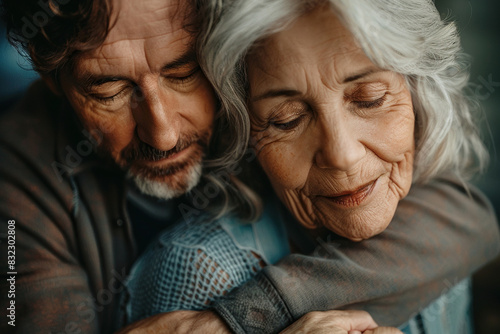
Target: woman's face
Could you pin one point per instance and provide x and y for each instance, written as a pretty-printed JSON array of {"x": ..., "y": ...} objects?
[{"x": 333, "y": 132}]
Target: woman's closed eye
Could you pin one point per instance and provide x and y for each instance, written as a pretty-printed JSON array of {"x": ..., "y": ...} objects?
[
  {"x": 289, "y": 124},
  {"x": 367, "y": 95},
  {"x": 370, "y": 103},
  {"x": 289, "y": 116}
]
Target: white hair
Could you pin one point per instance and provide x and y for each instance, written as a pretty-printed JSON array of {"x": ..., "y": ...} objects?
[{"x": 405, "y": 36}]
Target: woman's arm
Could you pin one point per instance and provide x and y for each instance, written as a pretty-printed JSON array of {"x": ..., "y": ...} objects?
[{"x": 440, "y": 234}]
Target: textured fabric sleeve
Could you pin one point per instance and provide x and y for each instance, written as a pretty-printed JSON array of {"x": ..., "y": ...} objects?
[
  {"x": 441, "y": 233},
  {"x": 187, "y": 268}
]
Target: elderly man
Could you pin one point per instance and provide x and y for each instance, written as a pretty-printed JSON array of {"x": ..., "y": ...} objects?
[{"x": 96, "y": 157}]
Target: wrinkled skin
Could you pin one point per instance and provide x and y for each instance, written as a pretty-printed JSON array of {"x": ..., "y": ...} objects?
[
  {"x": 144, "y": 92},
  {"x": 335, "y": 132}
]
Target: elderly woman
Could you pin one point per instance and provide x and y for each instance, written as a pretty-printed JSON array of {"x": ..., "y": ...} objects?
[{"x": 351, "y": 104}]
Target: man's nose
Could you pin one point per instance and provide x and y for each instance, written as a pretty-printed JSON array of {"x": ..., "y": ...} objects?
[
  {"x": 156, "y": 113},
  {"x": 339, "y": 144}
]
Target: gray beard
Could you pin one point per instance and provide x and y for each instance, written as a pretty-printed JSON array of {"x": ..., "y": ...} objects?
[{"x": 164, "y": 190}]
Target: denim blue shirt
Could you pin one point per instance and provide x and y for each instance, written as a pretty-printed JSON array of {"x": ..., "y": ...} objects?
[{"x": 200, "y": 259}]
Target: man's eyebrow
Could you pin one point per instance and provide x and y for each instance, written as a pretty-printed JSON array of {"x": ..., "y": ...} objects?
[
  {"x": 187, "y": 58},
  {"x": 276, "y": 93},
  {"x": 90, "y": 80},
  {"x": 362, "y": 74}
]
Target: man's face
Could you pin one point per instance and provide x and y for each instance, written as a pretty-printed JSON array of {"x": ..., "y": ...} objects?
[{"x": 144, "y": 91}]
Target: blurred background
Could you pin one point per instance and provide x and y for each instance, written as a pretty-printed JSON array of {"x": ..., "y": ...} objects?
[
  {"x": 479, "y": 26},
  {"x": 15, "y": 72}
]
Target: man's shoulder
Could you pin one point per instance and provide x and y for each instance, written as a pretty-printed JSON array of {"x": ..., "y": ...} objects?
[
  {"x": 29, "y": 128},
  {"x": 41, "y": 133},
  {"x": 28, "y": 149}
]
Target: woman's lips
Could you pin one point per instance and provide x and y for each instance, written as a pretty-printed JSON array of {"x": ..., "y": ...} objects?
[{"x": 355, "y": 197}]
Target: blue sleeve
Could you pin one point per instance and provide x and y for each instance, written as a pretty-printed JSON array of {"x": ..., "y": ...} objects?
[{"x": 196, "y": 262}]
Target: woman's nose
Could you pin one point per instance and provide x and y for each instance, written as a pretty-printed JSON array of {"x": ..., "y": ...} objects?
[
  {"x": 339, "y": 144},
  {"x": 157, "y": 115}
]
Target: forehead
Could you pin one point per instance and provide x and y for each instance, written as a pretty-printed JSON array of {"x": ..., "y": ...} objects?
[
  {"x": 146, "y": 18},
  {"x": 316, "y": 38},
  {"x": 144, "y": 35}
]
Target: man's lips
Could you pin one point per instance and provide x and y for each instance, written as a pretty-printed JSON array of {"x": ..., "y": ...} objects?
[
  {"x": 174, "y": 156},
  {"x": 353, "y": 197}
]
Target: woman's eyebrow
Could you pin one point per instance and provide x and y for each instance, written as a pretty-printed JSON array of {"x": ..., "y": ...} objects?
[
  {"x": 276, "y": 93},
  {"x": 363, "y": 74},
  {"x": 291, "y": 92}
]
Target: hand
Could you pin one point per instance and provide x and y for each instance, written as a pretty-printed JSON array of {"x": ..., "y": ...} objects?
[
  {"x": 179, "y": 322},
  {"x": 338, "y": 322},
  {"x": 381, "y": 330}
]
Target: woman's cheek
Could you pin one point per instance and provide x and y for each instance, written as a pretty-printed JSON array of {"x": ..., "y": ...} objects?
[
  {"x": 284, "y": 167},
  {"x": 392, "y": 136}
]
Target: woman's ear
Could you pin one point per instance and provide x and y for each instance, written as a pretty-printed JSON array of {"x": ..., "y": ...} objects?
[{"x": 53, "y": 86}]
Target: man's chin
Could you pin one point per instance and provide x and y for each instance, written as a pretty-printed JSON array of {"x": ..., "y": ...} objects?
[{"x": 167, "y": 187}]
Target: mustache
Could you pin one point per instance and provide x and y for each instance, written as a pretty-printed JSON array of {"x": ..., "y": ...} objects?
[{"x": 139, "y": 150}]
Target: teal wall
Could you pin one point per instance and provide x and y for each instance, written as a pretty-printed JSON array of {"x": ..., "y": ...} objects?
[{"x": 479, "y": 24}]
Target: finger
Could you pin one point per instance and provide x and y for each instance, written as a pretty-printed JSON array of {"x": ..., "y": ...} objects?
[
  {"x": 315, "y": 323},
  {"x": 301, "y": 328},
  {"x": 354, "y": 320},
  {"x": 329, "y": 330},
  {"x": 345, "y": 321},
  {"x": 383, "y": 330}
]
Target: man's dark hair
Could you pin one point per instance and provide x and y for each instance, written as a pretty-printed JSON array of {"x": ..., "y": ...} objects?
[{"x": 50, "y": 32}]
